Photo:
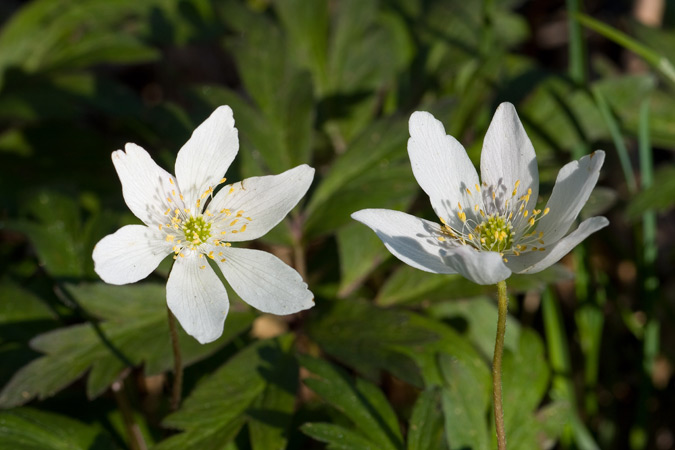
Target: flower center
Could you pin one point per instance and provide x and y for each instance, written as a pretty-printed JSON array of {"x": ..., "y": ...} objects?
[
  {"x": 508, "y": 228},
  {"x": 495, "y": 233},
  {"x": 196, "y": 230}
]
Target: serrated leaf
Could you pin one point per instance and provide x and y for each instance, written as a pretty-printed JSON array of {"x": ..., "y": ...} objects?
[
  {"x": 361, "y": 401},
  {"x": 371, "y": 339},
  {"x": 465, "y": 403},
  {"x": 32, "y": 429},
  {"x": 215, "y": 411},
  {"x": 425, "y": 430},
  {"x": 131, "y": 315},
  {"x": 337, "y": 437}
]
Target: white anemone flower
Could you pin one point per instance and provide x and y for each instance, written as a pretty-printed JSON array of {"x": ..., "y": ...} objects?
[
  {"x": 490, "y": 228},
  {"x": 183, "y": 216}
]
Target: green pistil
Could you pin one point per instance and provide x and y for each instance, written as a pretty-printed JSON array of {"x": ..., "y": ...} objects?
[
  {"x": 495, "y": 233},
  {"x": 197, "y": 230}
]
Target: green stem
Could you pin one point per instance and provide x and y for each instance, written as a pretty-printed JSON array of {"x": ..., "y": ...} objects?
[
  {"x": 502, "y": 306},
  {"x": 177, "y": 363}
]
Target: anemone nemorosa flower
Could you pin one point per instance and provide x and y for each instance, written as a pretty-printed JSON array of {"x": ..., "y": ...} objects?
[
  {"x": 183, "y": 216},
  {"x": 490, "y": 228}
]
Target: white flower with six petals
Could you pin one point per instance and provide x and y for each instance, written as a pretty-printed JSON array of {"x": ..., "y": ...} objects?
[
  {"x": 490, "y": 228},
  {"x": 183, "y": 216}
]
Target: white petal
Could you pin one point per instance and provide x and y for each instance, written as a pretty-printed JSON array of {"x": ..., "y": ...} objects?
[
  {"x": 206, "y": 156},
  {"x": 130, "y": 254},
  {"x": 572, "y": 188},
  {"x": 197, "y": 298},
  {"x": 533, "y": 262},
  {"x": 415, "y": 242},
  {"x": 442, "y": 168},
  {"x": 508, "y": 157},
  {"x": 266, "y": 200},
  {"x": 145, "y": 185},
  {"x": 264, "y": 281}
]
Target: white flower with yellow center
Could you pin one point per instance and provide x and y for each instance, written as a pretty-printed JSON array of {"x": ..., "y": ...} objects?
[
  {"x": 490, "y": 228},
  {"x": 183, "y": 216}
]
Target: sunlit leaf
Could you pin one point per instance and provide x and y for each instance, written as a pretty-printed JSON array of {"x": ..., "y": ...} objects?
[
  {"x": 131, "y": 315},
  {"x": 361, "y": 401},
  {"x": 216, "y": 410}
]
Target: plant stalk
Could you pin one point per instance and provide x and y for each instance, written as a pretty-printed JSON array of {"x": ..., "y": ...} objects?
[
  {"x": 177, "y": 363},
  {"x": 502, "y": 306}
]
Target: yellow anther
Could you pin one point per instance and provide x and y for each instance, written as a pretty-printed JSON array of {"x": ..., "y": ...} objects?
[
  {"x": 201, "y": 256},
  {"x": 462, "y": 216},
  {"x": 223, "y": 260},
  {"x": 223, "y": 232},
  {"x": 173, "y": 192},
  {"x": 470, "y": 237},
  {"x": 442, "y": 220},
  {"x": 534, "y": 249},
  {"x": 168, "y": 199},
  {"x": 234, "y": 231},
  {"x": 536, "y": 211},
  {"x": 477, "y": 188},
  {"x": 546, "y": 211},
  {"x": 176, "y": 211},
  {"x": 531, "y": 222},
  {"x": 468, "y": 191},
  {"x": 222, "y": 180},
  {"x": 476, "y": 208},
  {"x": 493, "y": 195},
  {"x": 227, "y": 244},
  {"x": 181, "y": 197},
  {"x": 441, "y": 238},
  {"x": 506, "y": 260},
  {"x": 171, "y": 180},
  {"x": 525, "y": 213},
  {"x": 459, "y": 205},
  {"x": 234, "y": 222},
  {"x": 482, "y": 213},
  {"x": 529, "y": 192},
  {"x": 160, "y": 227},
  {"x": 243, "y": 229},
  {"x": 517, "y": 184},
  {"x": 231, "y": 190},
  {"x": 202, "y": 267},
  {"x": 541, "y": 249},
  {"x": 166, "y": 213},
  {"x": 248, "y": 218},
  {"x": 170, "y": 237}
]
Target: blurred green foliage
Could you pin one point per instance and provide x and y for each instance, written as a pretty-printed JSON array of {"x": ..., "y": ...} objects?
[{"x": 390, "y": 357}]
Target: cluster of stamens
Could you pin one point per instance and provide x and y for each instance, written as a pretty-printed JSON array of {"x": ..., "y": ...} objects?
[
  {"x": 188, "y": 230},
  {"x": 506, "y": 229}
]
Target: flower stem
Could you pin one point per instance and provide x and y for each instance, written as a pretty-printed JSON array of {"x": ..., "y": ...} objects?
[
  {"x": 177, "y": 363},
  {"x": 502, "y": 306},
  {"x": 136, "y": 441}
]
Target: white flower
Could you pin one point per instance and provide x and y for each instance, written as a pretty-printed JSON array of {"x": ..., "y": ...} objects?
[
  {"x": 488, "y": 229},
  {"x": 182, "y": 216}
]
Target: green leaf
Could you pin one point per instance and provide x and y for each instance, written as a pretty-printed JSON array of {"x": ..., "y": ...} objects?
[
  {"x": 22, "y": 313},
  {"x": 361, "y": 401},
  {"x": 130, "y": 315},
  {"x": 411, "y": 286},
  {"x": 373, "y": 172},
  {"x": 361, "y": 251},
  {"x": 478, "y": 317},
  {"x": 32, "y": 429},
  {"x": 270, "y": 417},
  {"x": 525, "y": 381},
  {"x": 216, "y": 410},
  {"x": 466, "y": 399},
  {"x": 425, "y": 430},
  {"x": 337, "y": 437},
  {"x": 659, "y": 197}
]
